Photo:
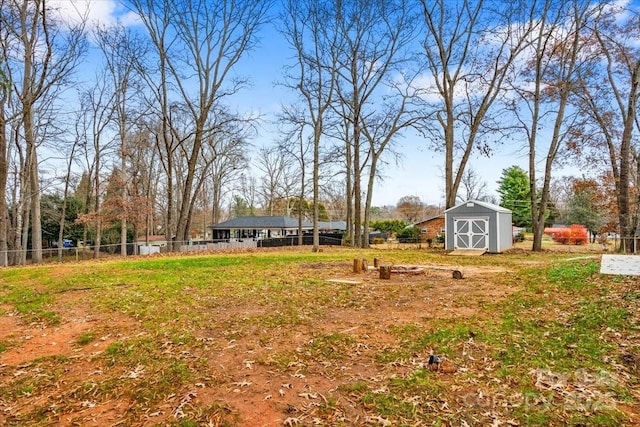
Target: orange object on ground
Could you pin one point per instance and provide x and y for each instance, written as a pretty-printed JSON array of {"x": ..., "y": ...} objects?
[{"x": 575, "y": 234}]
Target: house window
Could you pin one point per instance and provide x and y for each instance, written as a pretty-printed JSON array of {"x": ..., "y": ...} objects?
[{"x": 424, "y": 229}]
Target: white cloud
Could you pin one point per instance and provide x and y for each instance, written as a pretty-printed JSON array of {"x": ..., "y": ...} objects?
[{"x": 96, "y": 12}]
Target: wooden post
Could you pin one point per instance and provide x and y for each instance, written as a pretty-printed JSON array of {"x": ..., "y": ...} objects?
[
  {"x": 376, "y": 262},
  {"x": 385, "y": 272},
  {"x": 365, "y": 265},
  {"x": 357, "y": 265}
]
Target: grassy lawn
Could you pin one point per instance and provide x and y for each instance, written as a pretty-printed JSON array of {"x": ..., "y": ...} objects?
[{"x": 295, "y": 338}]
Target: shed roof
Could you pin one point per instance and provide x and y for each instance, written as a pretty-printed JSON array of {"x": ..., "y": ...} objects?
[{"x": 486, "y": 205}]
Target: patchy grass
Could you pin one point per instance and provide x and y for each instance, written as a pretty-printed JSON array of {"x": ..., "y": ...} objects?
[{"x": 262, "y": 337}]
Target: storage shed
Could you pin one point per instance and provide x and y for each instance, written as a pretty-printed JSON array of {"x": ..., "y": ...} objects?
[{"x": 478, "y": 226}]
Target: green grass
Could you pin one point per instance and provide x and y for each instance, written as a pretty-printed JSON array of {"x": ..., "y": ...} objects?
[
  {"x": 331, "y": 346},
  {"x": 86, "y": 338},
  {"x": 173, "y": 318}
]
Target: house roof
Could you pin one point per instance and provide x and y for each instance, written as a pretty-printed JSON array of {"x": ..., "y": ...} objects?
[
  {"x": 275, "y": 222},
  {"x": 486, "y": 205},
  {"x": 440, "y": 216},
  {"x": 331, "y": 225},
  {"x": 258, "y": 222}
]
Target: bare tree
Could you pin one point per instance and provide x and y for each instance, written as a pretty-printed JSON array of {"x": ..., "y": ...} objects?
[
  {"x": 47, "y": 52},
  {"x": 607, "y": 96},
  {"x": 470, "y": 46},
  {"x": 375, "y": 40},
  {"x": 71, "y": 159},
  {"x": 5, "y": 88},
  {"x": 210, "y": 38},
  {"x": 144, "y": 177},
  {"x": 410, "y": 208},
  {"x": 475, "y": 188},
  {"x": 309, "y": 27},
  {"x": 380, "y": 131},
  {"x": 277, "y": 180},
  {"x": 120, "y": 49},
  {"x": 544, "y": 91},
  {"x": 295, "y": 144},
  {"x": 91, "y": 127},
  {"x": 229, "y": 160}
]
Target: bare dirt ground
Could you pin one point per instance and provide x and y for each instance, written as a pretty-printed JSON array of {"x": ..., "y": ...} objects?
[{"x": 260, "y": 376}]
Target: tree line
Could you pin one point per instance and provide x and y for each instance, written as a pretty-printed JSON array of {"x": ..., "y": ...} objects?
[{"x": 149, "y": 138}]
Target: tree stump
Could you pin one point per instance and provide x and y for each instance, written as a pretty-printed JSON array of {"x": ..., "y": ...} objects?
[
  {"x": 457, "y": 274},
  {"x": 376, "y": 262},
  {"x": 360, "y": 265},
  {"x": 385, "y": 272}
]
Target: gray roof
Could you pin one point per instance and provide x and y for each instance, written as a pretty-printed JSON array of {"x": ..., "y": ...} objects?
[
  {"x": 275, "y": 222},
  {"x": 258, "y": 222},
  {"x": 331, "y": 225},
  {"x": 486, "y": 205}
]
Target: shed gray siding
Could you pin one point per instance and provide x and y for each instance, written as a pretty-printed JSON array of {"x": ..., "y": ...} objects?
[
  {"x": 499, "y": 222},
  {"x": 505, "y": 228}
]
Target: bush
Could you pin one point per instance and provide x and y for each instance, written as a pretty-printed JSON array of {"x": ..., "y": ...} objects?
[
  {"x": 409, "y": 233},
  {"x": 518, "y": 237}
]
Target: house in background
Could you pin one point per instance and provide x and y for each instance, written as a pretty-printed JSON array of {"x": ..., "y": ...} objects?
[
  {"x": 151, "y": 245},
  {"x": 431, "y": 228},
  {"x": 254, "y": 227},
  {"x": 266, "y": 227}
]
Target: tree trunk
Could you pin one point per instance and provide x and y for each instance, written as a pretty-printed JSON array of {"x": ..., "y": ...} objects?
[
  {"x": 4, "y": 215},
  {"x": 349, "y": 191},
  {"x": 125, "y": 206},
  {"x": 317, "y": 135},
  {"x": 450, "y": 192},
  {"x": 367, "y": 209},
  {"x": 97, "y": 210},
  {"x": 65, "y": 195},
  {"x": 357, "y": 176},
  {"x": 34, "y": 183},
  {"x": 626, "y": 233}
]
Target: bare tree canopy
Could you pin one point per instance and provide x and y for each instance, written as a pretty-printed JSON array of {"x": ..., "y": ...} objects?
[
  {"x": 198, "y": 44},
  {"x": 469, "y": 48}
]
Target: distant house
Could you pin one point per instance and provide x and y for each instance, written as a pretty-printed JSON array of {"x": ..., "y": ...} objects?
[
  {"x": 331, "y": 226},
  {"x": 431, "y": 228},
  {"x": 151, "y": 245},
  {"x": 265, "y": 227},
  {"x": 154, "y": 240}
]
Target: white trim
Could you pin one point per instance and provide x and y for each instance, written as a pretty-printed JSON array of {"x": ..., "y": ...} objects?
[{"x": 470, "y": 233}]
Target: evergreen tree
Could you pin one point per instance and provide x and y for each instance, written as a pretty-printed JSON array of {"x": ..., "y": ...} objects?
[{"x": 514, "y": 194}]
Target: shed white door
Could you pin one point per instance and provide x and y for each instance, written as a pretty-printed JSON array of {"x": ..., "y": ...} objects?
[{"x": 471, "y": 233}]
